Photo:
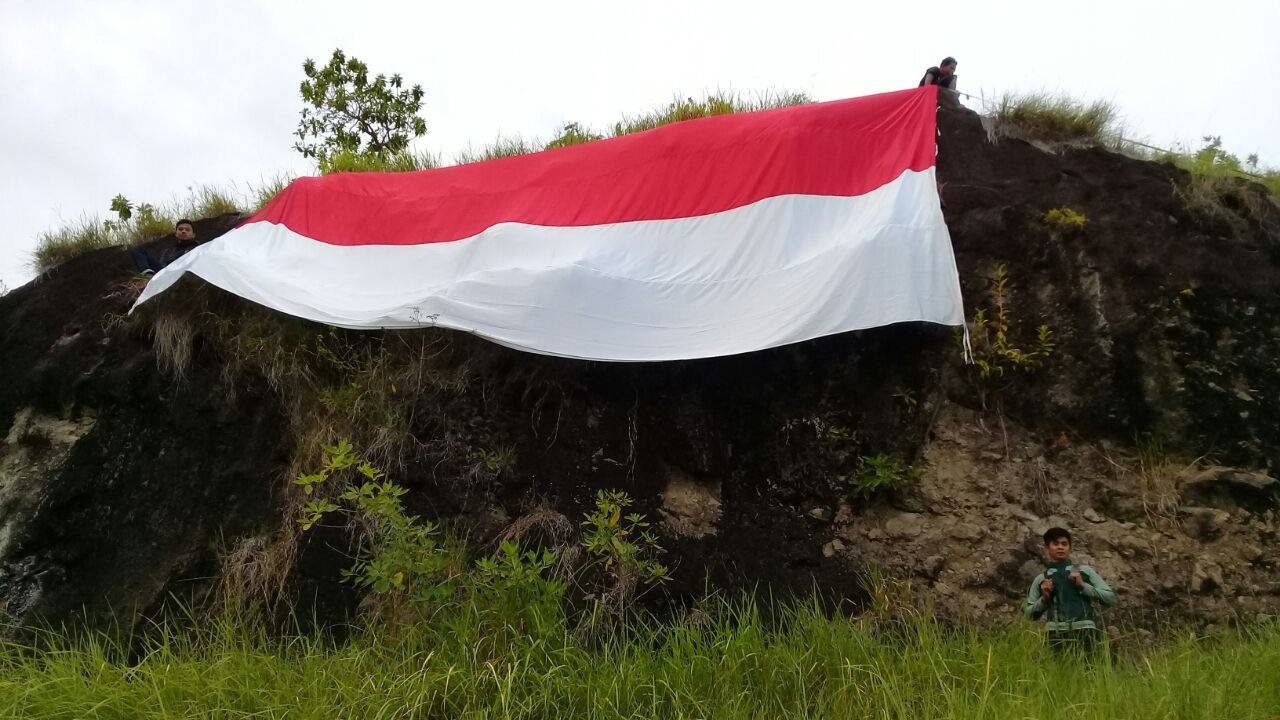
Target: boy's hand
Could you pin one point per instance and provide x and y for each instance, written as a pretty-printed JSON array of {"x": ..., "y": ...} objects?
[
  {"x": 1046, "y": 589},
  {"x": 1076, "y": 578}
]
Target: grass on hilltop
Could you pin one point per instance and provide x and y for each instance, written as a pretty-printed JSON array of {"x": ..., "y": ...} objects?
[
  {"x": 720, "y": 662},
  {"x": 404, "y": 161},
  {"x": 678, "y": 110},
  {"x": 146, "y": 223},
  {"x": 717, "y": 103},
  {"x": 1050, "y": 117}
]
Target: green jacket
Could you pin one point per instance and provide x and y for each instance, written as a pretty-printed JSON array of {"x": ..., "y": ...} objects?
[{"x": 1094, "y": 589}]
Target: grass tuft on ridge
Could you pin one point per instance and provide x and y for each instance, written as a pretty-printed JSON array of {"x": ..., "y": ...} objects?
[{"x": 1051, "y": 117}]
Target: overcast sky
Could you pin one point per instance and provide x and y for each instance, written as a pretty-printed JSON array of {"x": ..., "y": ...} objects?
[{"x": 150, "y": 98}]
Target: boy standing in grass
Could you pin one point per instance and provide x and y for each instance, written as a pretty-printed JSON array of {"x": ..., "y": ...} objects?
[{"x": 1064, "y": 594}]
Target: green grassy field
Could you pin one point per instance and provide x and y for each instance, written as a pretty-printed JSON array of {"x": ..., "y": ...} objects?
[{"x": 726, "y": 664}]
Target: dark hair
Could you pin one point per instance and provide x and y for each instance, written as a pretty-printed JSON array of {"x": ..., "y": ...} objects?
[
  {"x": 947, "y": 61},
  {"x": 1054, "y": 533},
  {"x": 184, "y": 221}
]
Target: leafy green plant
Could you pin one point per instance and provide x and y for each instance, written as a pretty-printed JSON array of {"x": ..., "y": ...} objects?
[
  {"x": 492, "y": 462},
  {"x": 1218, "y": 185},
  {"x": 518, "y": 585},
  {"x": 906, "y": 397},
  {"x": 994, "y": 352},
  {"x": 121, "y": 206},
  {"x": 878, "y": 473},
  {"x": 621, "y": 542},
  {"x": 346, "y": 111},
  {"x": 1064, "y": 218},
  {"x": 572, "y": 134},
  {"x": 399, "y": 553},
  {"x": 839, "y": 435}
]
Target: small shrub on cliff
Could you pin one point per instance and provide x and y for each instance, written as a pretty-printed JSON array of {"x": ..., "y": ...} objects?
[
  {"x": 994, "y": 351},
  {"x": 996, "y": 356},
  {"x": 518, "y": 586},
  {"x": 622, "y": 554},
  {"x": 399, "y": 554},
  {"x": 573, "y": 134},
  {"x": 492, "y": 462},
  {"x": 622, "y": 543},
  {"x": 879, "y": 473},
  {"x": 403, "y": 562},
  {"x": 1218, "y": 183},
  {"x": 1064, "y": 218}
]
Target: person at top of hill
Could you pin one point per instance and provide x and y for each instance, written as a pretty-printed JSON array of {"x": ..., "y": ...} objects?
[
  {"x": 185, "y": 232},
  {"x": 942, "y": 75},
  {"x": 1065, "y": 594}
]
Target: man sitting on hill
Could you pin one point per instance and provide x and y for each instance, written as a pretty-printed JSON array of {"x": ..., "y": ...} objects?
[
  {"x": 184, "y": 231},
  {"x": 943, "y": 75},
  {"x": 1064, "y": 595}
]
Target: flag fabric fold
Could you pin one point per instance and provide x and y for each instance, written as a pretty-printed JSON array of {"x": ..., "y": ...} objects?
[{"x": 703, "y": 238}]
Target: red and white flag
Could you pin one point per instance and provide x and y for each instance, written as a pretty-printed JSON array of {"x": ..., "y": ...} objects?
[{"x": 703, "y": 238}]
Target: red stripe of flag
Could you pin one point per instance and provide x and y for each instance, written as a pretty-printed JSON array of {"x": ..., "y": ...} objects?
[{"x": 688, "y": 169}]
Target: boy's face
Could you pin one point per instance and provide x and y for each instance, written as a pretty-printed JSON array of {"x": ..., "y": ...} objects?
[
  {"x": 1058, "y": 549},
  {"x": 184, "y": 232}
]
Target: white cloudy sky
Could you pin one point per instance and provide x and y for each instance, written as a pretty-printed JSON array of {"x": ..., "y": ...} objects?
[{"x": 147, "y": 98}]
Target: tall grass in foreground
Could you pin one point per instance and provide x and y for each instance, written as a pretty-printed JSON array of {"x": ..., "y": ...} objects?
[{"x": 728, "y": 663}]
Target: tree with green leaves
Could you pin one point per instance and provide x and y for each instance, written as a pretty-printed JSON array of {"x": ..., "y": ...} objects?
[{"x": 345, "y": 111}]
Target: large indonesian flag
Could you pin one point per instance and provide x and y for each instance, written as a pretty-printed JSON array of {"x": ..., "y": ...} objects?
[{"x": 702, "y": 238}]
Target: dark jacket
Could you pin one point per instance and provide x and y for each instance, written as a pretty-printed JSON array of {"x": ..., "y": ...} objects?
[{"x": 934, "y": 76}]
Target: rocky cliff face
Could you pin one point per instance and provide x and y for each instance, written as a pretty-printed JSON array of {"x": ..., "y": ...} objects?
[
  {"x": 1150, "y": 428},
  {"x": 117, "y": 481}
]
